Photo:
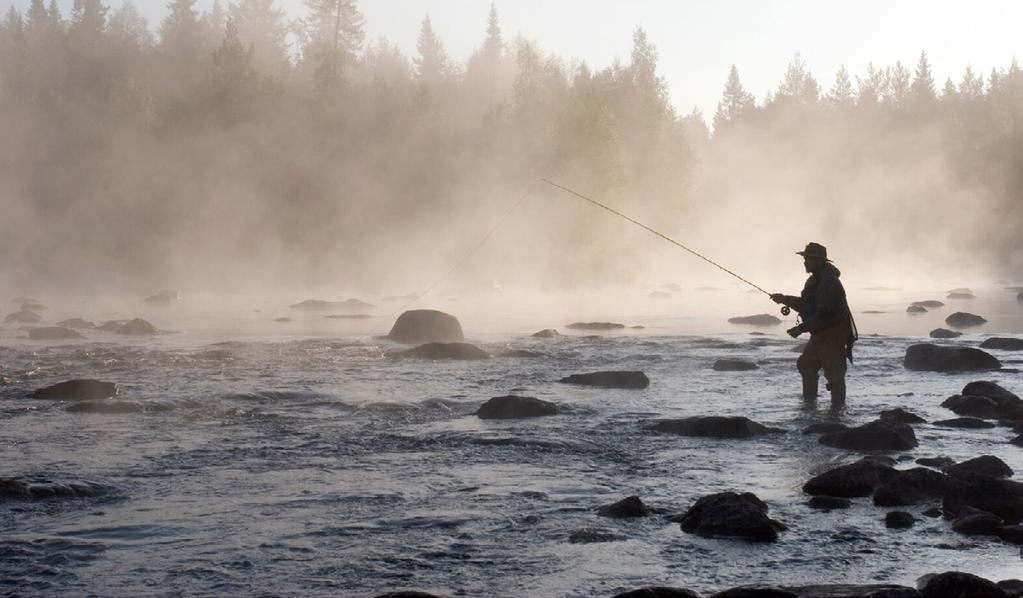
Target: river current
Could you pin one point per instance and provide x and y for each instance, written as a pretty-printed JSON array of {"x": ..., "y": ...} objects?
[{"x": 309, "y": 460}]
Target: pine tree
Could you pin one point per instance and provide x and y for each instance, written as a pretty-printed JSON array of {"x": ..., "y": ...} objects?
[
  {"x": 88, "y": 19},
  {"x": 333, "y": 38},
  {"x": 179, "y": 30},
  {"x": 896, "y": 91},
  {"x": 13, "y": 51},
  {"x": 793, "y": 80},
  {"x": 972, "y": 85},
  {"x": 129, "y": 30},
  {"x": 232, "y": 77},
  {"x": 949, "y": 91},
  {"x": 922, "y": 89},
  {"x": 872, "y": 87},
  {"x": 212, "y": 25},
  {"x": 735, "y": 102},
  {"x": 261, "y": 26},
  {"x": 432, "y": 62},
  {"x": 493, "y": 45},
  {"x": 811, "y": 90},
  {"x": 841, "y": 94}
]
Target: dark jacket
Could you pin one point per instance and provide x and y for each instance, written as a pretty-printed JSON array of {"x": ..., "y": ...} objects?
[{"x": 823, "y": 304}]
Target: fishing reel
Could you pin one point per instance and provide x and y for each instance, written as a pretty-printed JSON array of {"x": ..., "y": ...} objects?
[{"x": 786, "y": 310}]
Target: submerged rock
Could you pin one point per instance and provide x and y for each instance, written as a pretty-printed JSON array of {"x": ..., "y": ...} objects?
[
  {"x": 23, "y": 317},
  {"x": 136, "y": 327},
  {"x": 945, "y": 333},
  {"x": 929, "y": 304},
  {"x": 756, "y": 320},
  {"x": 961, "y": 295},
  {"x": 610, "y": 379},
  {"x": 595, "y": 326},
  {"x": 901, "y": 416},
  {"x": 461, "y": 351},
  {"x": 30, "y": 490},
  {"x": 76, "y": 390},
  {"x": 734, "y": 365},
  {"x": 658, "y": 592},
  {"x": 713, "y": 427},
  {"x": 52, "y": 333},
  {"x": 916, "y": 309},
  {"x": 849, "y": 481},
  {"x": 962, "y": 319},
  {"x": 828, "y": 503},
  {"x": 1003, "y": 344},
  {"x": 878, "y": 435},
  {"x": 164, "y": 297},
  {"x": 628, "y": 507},
  {"x": 986, "y": 400},
  {"x": 76, "y": 323},
  {"x": 729, "y": 514},
  {"x": 936, "y": 462},
  {"x": 975, "y": 522},
  {"x": 546, "y": 333},
  {"x": 1000, "y": 497},
  {"x": 591, "y": 535},
  {"x": 959, "y": 585},
  {"x": 988, "y": 465},
  {"x": 910, "y": 487},
  {"x": 965, "y": 423},
  {"x": 935, "y": 358},
  {"x": 512, "y": 406},
  {"x": 426, "y": 326},
  {"x": 899, "y": 520},
  {"x": 521, "y": 353}
]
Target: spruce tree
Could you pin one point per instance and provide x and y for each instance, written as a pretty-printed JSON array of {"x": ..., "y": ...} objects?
[
  {"x": 735, "y": 101},
  {"x": 333, "y": 38},
  {"x": 841, "y": 94},
  {"x": 432, "y": 62},
  {"x": 232, "y": 77},
  {"x": 972, "y": 85},
  {"x": 261, "y": 26},
  {"x": 922, "y": 89}
]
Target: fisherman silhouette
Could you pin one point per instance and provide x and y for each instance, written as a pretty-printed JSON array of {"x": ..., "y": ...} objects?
[{"x": 825, "y": 314}]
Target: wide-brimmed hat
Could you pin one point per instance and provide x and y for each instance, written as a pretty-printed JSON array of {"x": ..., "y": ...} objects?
[{"x": 814, "y": 250}]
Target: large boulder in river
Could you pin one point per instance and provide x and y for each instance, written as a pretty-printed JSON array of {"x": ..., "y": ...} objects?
[
  {"x": 610, "y": 379},
  {"x": 878, "y": 435},
  {"x": 546, "y": 333},
  {"x": 916, "y": 309},
  {"x": 962, "y": 319},
  {"x": 987, "y": 400},
  {"x": 136, "y": 327},
  {"x": 848, "y": 481},
  {"x": 734, "y": 365},
  {"x": 52, "y": 333},
  {"x": 40, "y": 489},
  {"x": 713, "y": 426},
  {"x": 959, "y": 585},
  {"x": 935, "y": 358},
  {"x": 426, "y": 326},
  {"x": 910, "y": 487},
  {"x": 1001, "y": 497},
  {"x": 511, "y": 407},
  {"x": 928, "y": 304},
  {"x": 729, "y": 514},
  {"x": 1003, "y": 344},
  {"x": 460, "y": 351},
  {"x": 945, "y": 333},
  {"x": 757, "y": 320},
  {"x": 23, "y": 316},
  {"x": 658, "y": 592},
  {"x": 988, "y": 465},
  {"x": 77, "y": 390},
  {"x": 627, "y": 508},
  {"x": 164, "y": 297}
]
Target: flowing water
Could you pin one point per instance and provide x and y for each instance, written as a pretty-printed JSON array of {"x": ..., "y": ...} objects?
[{"x": 303, "y": 458}]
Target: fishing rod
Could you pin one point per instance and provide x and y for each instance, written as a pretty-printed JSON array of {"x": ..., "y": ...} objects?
[{"x": 784, "y": 310}]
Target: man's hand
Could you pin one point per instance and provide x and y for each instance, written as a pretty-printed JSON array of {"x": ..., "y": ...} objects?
[
  {"x": 795, "y": 331},
  {"x": 778, "y": 298}
]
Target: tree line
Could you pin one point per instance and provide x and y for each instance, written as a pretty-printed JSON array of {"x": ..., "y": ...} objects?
[{"x": 233, "y": 136}]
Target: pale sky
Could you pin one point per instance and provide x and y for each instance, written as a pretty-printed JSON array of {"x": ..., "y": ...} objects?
[{"x": 698, "y": 40}]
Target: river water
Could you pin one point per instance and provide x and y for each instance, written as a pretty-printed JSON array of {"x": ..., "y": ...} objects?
[{"x": 303, "y": 458}]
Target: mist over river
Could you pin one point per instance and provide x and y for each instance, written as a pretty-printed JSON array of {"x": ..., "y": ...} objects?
[{"x": 255, "y": 457}]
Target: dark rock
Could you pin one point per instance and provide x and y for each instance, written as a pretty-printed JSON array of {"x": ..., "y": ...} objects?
[
  {"x": 625, "y": 508},
  {"x": 974, "y": 522},
  {"x": 962, "y": 319},
  {"x": 112, "y": 325},
  {"x": 878, "y": 435},
  {"x": 349, "y": 305},
  {"x": 936, "y": 462},
  {"x": 849, "y": 481},
  {"x": 31, "y": 490},
  {"x": 910, "y": 487},
  {"x": 164, "y": 297},
  {"x": 829, "y": 502},
  {"x": 23, "y": 317},
  {"x": 899, "y": 520},
  {"x": 935, "y": 358},
  {"x": 933, "y": 512},
  {"x": 1013, "y": 534},
  {"x": 1003, "y": 344},
  {"x": 76, "y": 323},
  {"x": 460, "y": 351},
  {"x": 986, "y": 493},
  {"x": 590, "y": 535},
  {"x": 734, "y": 365},
  {"x": 984, "y": 407},
  {"x": 136, "y": 327},
  {"x": 901, "y": 416},
  {"x": 870, "y": 591},
  {"x": 610, "y": 379},
  {"x": 521, "y": 353},
  {"x": 988, "y": 465},
  {"x": 961, "y": 295},
  {"x": 595, "y": 326},
  {"x": 77, "y": 390},
  {"x": 511, "y": 406},
  {"x": 945, "y": 333},
  {"x": 407, "y": 594},
  {"x": 426, "y": 326},
  {"x": 546, "y": 333},
  {"x": 965, "y": 422},
  {"x": 824, "y": 428},
  {"x": 1018, "y": 440},
  {"x": 755, "y": 592},
  {"x": 713, "y": 426},
  {"x": 916, "y": 309},
  {"x": 52, "y": 333},
  {"x": 731, "y": 514},
  {"x": 658, "y": 592},
  {"x": 757, "y": 320},
  {"x": 960, "y": 585},
  {"x": 985, "y": 388},
  {"x": 929, "y": 304}
]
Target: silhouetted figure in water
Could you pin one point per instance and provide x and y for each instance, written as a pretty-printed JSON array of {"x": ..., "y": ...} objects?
[{"x": 825, "y": 315}]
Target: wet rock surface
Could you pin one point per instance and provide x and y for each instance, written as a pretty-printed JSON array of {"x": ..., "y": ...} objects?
[
  {"x": 962, "y": 319},
  {"x": 77, "y": 390},
  {"x": 730, "y": 514},
  {"x": 852, "y": 480},
  {"x": 910, "y": 487},
  {"x": 938, "y": 358},
  {"x": 828, "y": 502},
  {"x": 610, "y": 379},
  {"x": 658, "y": 592},
  {"x": 546, "y": 333},
  {"x": 512, "y": 406},
  {"x": 1003, "y": 344},
  {"x": 756, "y": 320},
  {"x": 988, "y": 465},
  {"x": 600, "y": 326},
  {"x": 734, "y": 365},
  {"x": 712, "y": 426},
  {"x": 929, "y": 304},
  {"x": 901, "y": 416},
  {"x": 426, "y": 326},
  {"x": 878, "y": 435},
  {"x": 629, "y": 507},
  {"x": 459, "y": 351},
  {"x": 899, "y": 520},
  {"x": 945, "y": 333},
  {"x": 957, "y": 584}
]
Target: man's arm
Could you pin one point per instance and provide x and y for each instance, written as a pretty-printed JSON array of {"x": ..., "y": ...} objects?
[
  {"x": 792, "y": 301},
  {"x": 829, "y": 310}
]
